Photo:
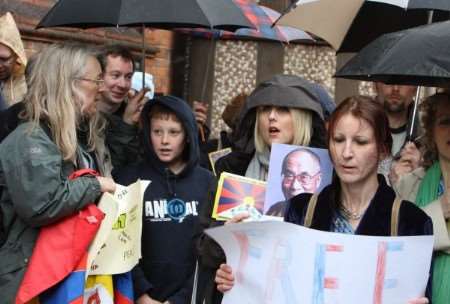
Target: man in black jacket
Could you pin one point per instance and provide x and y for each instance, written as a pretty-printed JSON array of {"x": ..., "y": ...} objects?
[{"x": 397, "y": 101}]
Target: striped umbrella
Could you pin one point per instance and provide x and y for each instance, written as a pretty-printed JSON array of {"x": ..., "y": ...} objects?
[{"x": 261, "y": 18}]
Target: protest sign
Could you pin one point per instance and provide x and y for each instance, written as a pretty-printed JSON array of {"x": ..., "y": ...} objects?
[
  {"x": 214, "y": 156},
  {"x": 278, "y": 262},
  {"x": 294, "y": 170},
  {"x": 117, "y": 245}
]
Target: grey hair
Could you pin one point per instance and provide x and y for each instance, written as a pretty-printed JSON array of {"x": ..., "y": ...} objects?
[{"x": 53, "y": 95}]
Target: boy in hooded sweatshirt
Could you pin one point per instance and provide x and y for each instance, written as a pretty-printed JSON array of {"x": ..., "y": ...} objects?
[{"x": 179, "y": 188}]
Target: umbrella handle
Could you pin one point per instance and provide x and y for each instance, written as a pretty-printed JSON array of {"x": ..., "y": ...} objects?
[
  {"x": 143, "y": 56},
  {"x": 208, "y": 63},
  {"x": 430, "y": 16},
  {"x": 414, "y": 114},
  {"x": 202, "y": 133}
]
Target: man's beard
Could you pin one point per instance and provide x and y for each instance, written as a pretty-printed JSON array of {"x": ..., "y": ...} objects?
[{"x": 397, "y": 107}]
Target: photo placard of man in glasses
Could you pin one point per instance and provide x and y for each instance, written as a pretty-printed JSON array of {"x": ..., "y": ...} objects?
[{"x": 300, "y": 172}]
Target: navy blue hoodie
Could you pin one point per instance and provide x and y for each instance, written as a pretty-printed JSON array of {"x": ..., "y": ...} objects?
[{"x": 170, "y": 212}]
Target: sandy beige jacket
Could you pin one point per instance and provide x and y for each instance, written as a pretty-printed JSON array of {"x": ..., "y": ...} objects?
[
  {"x": 407, "y": 188},
  {"x": 15, "y": 88}
]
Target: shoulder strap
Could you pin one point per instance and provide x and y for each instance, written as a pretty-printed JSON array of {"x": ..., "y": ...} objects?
[
  {"x": 310, "y": 211},
  {"x": 395, "y": 216}
]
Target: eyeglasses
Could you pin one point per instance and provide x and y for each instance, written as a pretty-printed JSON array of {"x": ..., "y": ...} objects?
[
  {"x": 98, "y": 82},
  {"x": 6, "y": 61},
  {"x": 304, "y": 178}
]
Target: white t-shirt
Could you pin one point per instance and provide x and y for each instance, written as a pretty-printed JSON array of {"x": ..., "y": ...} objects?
[{"x": 398, "y": 139}]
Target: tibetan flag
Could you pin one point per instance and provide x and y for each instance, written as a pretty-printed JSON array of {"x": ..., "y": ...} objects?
[
  {"x": 70, "y": 290},
  {"x": 236, "y": 194},
  {"x": 104, "y": 289},
  {"x": 99, "y": 289},
  {"x": 109, "y": 289},
  {"x": 57, "y": 270},
  {"x": 123, "y": 288},
  {"x": 60, "y": 253}
]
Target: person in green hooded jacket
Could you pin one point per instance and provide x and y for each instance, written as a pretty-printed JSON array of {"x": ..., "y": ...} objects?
[{"x": 57, "y": 138}]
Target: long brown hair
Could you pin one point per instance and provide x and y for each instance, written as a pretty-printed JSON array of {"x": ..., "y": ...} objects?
[{"x": 366, "y": 108}]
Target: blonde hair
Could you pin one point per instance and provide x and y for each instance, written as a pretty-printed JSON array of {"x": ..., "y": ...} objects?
[
  {"x": 54, "y": 98},
  {"x": 302, "y": 125}
]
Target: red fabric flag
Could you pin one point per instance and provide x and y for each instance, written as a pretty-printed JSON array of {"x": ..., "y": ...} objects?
[{"x": 60, "y": 249}]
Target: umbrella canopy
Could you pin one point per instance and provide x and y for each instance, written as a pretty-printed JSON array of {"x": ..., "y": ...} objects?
[
  {"x": 417, "y": 56},
  {"x": 167, "y": 14},
  {"x": 261, "y": 18},
  {"x": 349, "y": 25}
]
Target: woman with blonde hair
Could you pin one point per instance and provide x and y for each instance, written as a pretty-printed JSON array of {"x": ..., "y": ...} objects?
[
  {"x": 428, "y": 187},
  {"x": 284, "y": 109},
  {"x": 56, "y": 139}
]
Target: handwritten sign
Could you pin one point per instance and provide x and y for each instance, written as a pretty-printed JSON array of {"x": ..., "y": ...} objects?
[
  {"x": 277, "y": 262},
  {"x": 117, "y": 246}
]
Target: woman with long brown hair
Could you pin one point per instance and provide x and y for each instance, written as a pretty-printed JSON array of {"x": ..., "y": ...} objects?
[{"x": 358, "y": 201}]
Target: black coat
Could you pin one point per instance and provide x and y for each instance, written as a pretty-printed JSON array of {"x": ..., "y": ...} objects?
[
  {"x": 376, "y": 220},
  {"x": 9, "y": 119}
]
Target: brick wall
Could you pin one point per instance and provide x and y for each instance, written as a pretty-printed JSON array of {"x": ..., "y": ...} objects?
[{"x": 27, "y": 14}]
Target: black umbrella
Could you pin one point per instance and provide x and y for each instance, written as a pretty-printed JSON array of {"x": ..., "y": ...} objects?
[
  {"x": 349, "y": 25},
  {"x": 417, "y": 56},
  {"x": 167, "y": 14}
]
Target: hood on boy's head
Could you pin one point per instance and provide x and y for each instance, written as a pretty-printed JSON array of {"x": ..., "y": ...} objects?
[
  {"x": 281, "y": 91},
  {"x": 185, "y": 115}
]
